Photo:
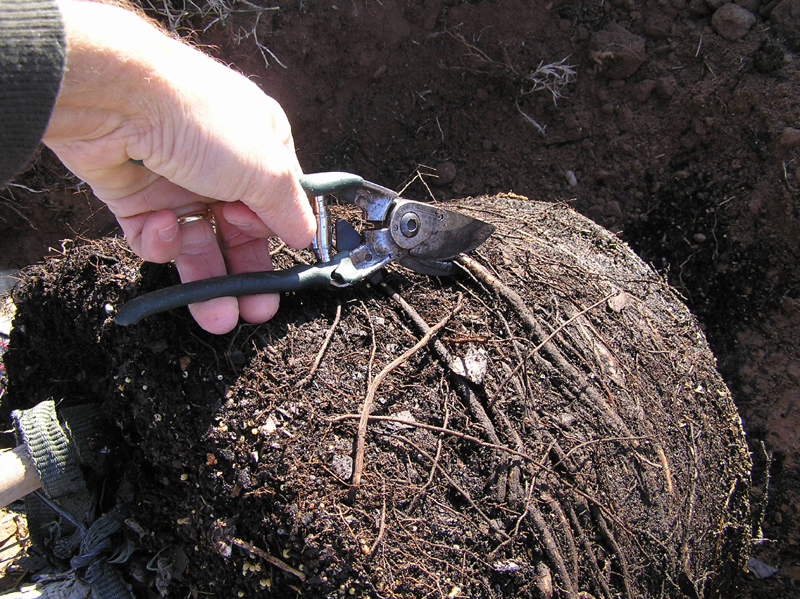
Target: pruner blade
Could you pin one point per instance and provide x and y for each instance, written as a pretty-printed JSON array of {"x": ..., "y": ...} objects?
[{"x": 433, "y": 236}]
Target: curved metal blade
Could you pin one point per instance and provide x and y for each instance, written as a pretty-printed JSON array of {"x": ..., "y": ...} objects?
[
  {"x": 428, "y": 267},
  {"x": 459, "y": 234},
  {"x": 453, "y": 234}
]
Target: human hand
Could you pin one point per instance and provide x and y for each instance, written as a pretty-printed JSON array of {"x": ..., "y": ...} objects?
[{"x": 207, "y": 137}]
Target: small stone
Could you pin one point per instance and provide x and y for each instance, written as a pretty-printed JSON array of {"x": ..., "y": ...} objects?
[
  {"x": 571, "y": 179},
  {"x": 666, "y": 87},
  {"x": 699, "y": 238},
  {"x": 618, "y": 302},
  {"x": 566, "y": 419},
  {"x": 445, "y": 173},
  {"x": 473, "y": 366},
  {"x": 642, "y": 91},
  {"x": 379, "y": 72},
  {"x": 759, "y": 569},
  {"x": 269, "y": 427},
  {"x": 403, "y": 415},
  {"x": 342, "y": 466},
  {"x": 784, "y": 19},
  {"x": 790, "y": 138},
  {"x": 625, "y": 120},
  {"x": 613, "y": 209},
  {"x": 732, "y": 21},
  {"x": 223, "y": 548},
  {"x": 616, "y": 52},
  {"x": 658, "y": 25}
]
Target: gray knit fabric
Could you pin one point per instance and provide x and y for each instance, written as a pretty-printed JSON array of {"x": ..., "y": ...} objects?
[{"x": 32, "y": 55}]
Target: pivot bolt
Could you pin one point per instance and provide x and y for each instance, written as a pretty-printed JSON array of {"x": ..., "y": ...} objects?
[{"x": 409, "y": 224}]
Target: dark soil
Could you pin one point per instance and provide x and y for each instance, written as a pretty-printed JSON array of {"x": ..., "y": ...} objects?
[
  {"x": 688, "y": 158},
  {"x": 590, "y": 447}
]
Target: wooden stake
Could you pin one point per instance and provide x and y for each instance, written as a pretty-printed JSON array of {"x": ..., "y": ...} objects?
[{"x": 17, "y": 475}]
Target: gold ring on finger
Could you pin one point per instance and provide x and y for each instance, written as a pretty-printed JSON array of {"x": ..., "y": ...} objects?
[{"x": 194, "y": 217}]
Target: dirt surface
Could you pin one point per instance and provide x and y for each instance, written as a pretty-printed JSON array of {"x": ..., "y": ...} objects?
[{"x": 690, "y": 154}]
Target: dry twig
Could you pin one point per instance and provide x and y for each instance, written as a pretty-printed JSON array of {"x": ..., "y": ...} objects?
[
  {"x": 219, "y": 11},
  {"x": 432, "y": 473},
  {"x": 451, "y": 481},
  {"x": 381, "y": 528}
]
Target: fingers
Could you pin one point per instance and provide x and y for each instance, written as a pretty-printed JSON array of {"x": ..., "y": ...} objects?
[
  {"x": 239, "y": 244},
  {"x": 158, "y": 237},
  {"x": 204, "y": 127},
  {"x": 229, "y": 156},
  {"x": 200, "y": 258},
  {"x": 279, "y": 201},
  {"x": 244, "y": 219},
  {"x": 149, "y": 218},
  {"x": 284, "y": 205},
  {"x": 285, "y": 209},
  {"x": 245, "y": 252}
]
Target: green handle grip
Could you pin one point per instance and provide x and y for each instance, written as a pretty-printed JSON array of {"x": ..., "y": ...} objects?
[{"x": 320, "y": 184}]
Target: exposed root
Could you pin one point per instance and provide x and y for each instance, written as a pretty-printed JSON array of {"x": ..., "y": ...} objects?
[
  {"x": 307, "y": 378},
  {"x": 553, "y": 552},
  {"x": 597, "y": 578},
  {"x": 552, "y": 77},
  {"x": 358, "y": 463},
  {"x": 618, "y": 551},
  {"x": 443, "y": 430}
]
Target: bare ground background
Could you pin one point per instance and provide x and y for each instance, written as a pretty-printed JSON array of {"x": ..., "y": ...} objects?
[{"x": 678, "y": 139}]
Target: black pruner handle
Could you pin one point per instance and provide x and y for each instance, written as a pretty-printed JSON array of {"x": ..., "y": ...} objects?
[{"x": 296, "y": 278}]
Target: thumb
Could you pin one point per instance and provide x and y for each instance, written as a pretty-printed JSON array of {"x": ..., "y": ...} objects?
[{"x": 281, "y": 203}]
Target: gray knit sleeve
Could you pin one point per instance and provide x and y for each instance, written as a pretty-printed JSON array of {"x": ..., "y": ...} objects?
[{"x": 32, "y": 55}]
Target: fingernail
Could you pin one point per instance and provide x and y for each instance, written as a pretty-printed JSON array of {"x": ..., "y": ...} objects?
[
  {"x": 242, "y": 226},
  {"x": 168, "y": 233}
]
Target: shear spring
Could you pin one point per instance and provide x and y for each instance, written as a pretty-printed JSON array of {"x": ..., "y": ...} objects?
[{"x": 321, "y": 244}]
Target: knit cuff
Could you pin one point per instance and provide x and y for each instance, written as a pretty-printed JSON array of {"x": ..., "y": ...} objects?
[{"x": 32, "y": 58}]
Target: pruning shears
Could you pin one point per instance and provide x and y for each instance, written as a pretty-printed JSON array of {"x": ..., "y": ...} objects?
[{"x": 422, "y": 237}]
